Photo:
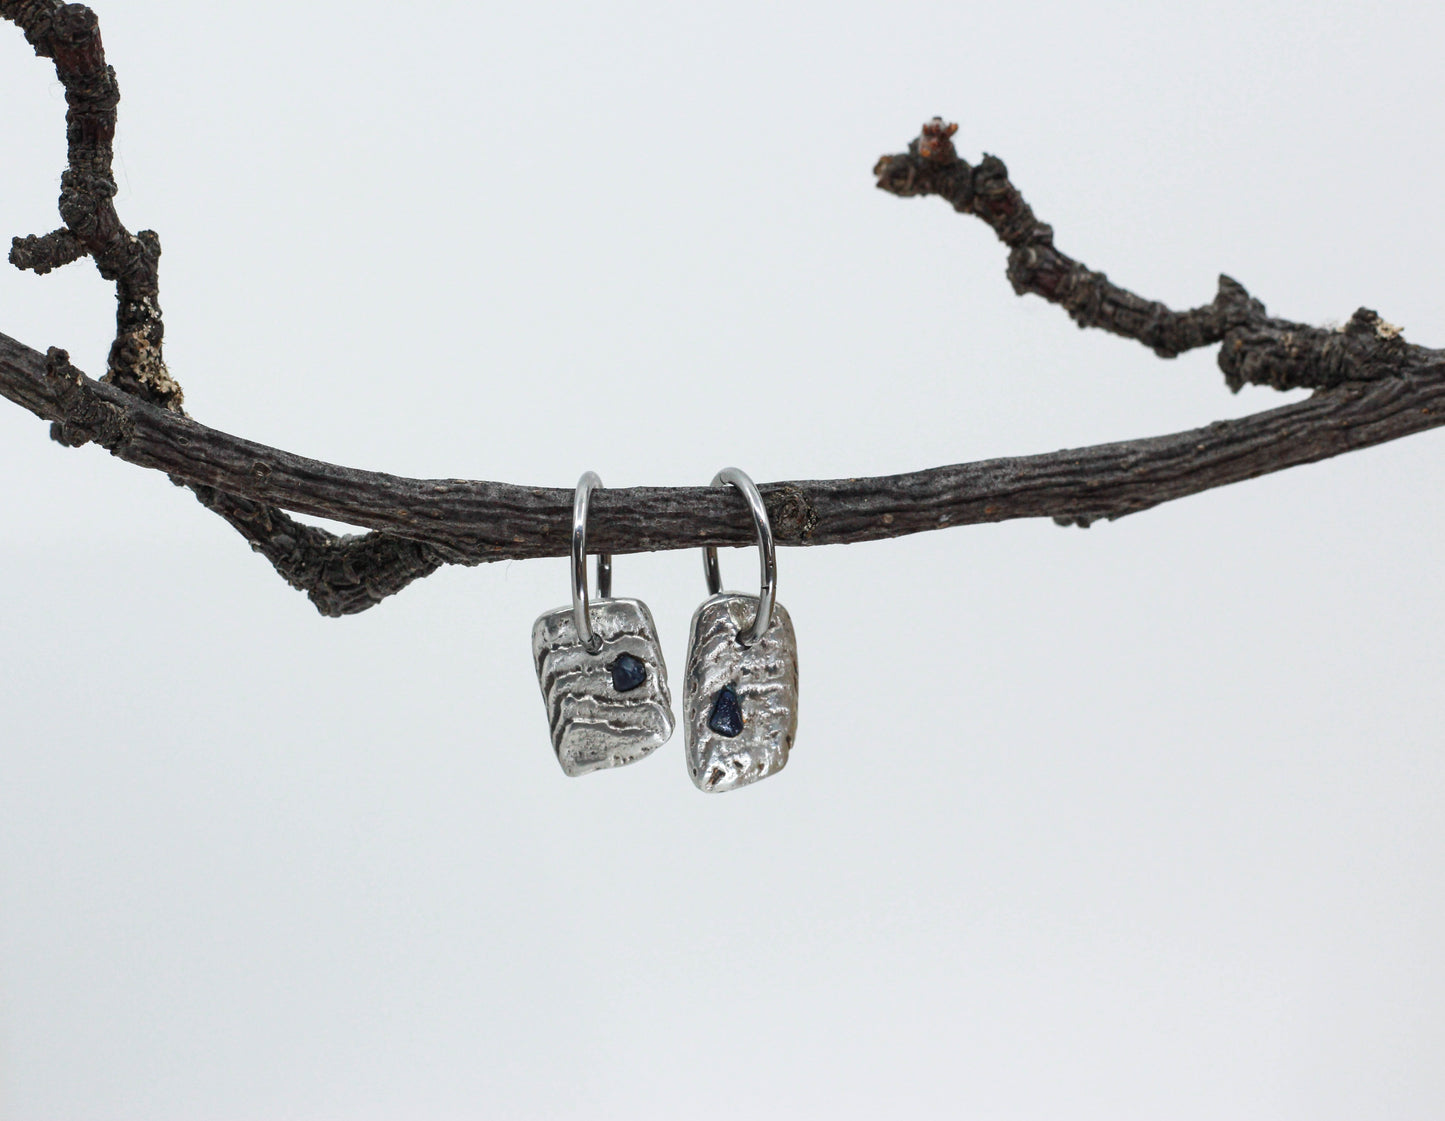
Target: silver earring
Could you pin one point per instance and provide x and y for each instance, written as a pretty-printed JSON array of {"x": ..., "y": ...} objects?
[
  {"x": 600, "y": 666},
  {"x": 740, "y": 701}
]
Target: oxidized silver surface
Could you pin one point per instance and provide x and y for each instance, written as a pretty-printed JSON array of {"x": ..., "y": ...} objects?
[
  {"x": 593, "y": 725},
  {"x": 764, "y": 677}
]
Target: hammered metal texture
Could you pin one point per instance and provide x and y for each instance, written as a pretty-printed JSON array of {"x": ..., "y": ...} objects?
[
  {"x": 764, "y": 678},
  {"x": 593, "y": 725}
]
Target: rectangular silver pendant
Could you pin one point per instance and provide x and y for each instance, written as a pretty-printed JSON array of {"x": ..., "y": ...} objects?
[
  {"x": 740, "y": 704},
  {"x": 600, "y": 714}
]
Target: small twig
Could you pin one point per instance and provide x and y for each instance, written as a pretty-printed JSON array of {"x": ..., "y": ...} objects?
[
  {"x": 1257, "y": 349},
  {"x": 70, "y": 35},
  {"x": 932, "y": 166},
  {"x": 46, "y": 252}
]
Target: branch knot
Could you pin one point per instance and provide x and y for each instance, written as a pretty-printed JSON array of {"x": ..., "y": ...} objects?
[
  {"x": 85, "y": 418},
  {"x": 1285, "y": 355}
]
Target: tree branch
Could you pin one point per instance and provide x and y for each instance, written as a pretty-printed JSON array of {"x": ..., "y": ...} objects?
[
  {"x": 1369, "y": 386},
  {"x": 340, "y": 574},
  {"x": 70, "y": 35},
  {"x": 473, "y": 522},
  {"x": 1257, "y": 349}
]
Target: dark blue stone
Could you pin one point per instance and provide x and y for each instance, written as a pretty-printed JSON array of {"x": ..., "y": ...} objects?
[
  {"x": 627, "y": 672},
  {"x": 727, "y": 714}
]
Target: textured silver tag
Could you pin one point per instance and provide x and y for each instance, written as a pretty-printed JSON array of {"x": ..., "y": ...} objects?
[
  {"x": 740, "y": 704},
  {"x": 605, "y": 709}
]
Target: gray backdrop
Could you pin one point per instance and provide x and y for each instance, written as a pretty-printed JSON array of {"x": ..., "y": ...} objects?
[{"x": 1136, "y": 822}]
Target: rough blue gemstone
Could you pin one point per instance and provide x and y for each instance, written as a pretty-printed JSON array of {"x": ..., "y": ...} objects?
[
  {"x": 727, "y": 714},
  {"x": 627, "y": 672}
]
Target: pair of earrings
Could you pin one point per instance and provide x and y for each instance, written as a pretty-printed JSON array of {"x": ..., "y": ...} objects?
[{"x": 605, "y": 685}]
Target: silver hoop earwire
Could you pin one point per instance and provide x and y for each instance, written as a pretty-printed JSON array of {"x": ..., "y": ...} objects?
[
  {"x": 767, "y": 554},
  {"x": 585, "y": 486}
]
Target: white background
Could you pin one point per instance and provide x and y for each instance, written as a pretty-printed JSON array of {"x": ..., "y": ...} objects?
[{"x": 1138, "y": 822}]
